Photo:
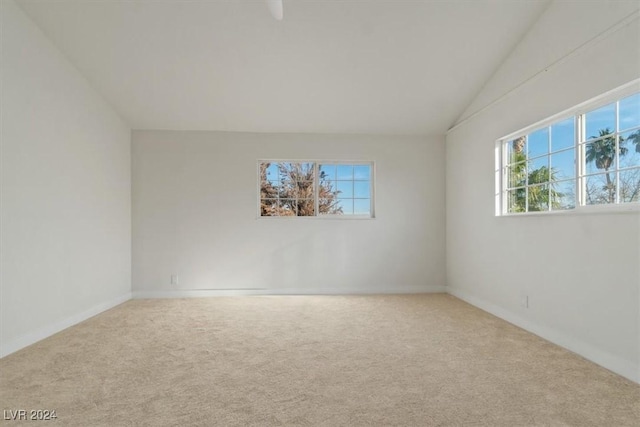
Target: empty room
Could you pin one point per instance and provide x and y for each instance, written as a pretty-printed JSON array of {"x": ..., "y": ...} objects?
[{"x": 320, "y": 212}]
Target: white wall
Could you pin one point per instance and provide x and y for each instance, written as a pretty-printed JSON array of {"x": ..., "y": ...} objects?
[
  {"x": 65, "y": 168},
  {"x": 195, "y": 208},
  {"x": 581, "y": 272}
]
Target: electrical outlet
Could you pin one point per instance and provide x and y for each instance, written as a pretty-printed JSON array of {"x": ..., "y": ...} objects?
[
  {"x": 524, "y": 302},
  {"x": 174, "y": 279}
]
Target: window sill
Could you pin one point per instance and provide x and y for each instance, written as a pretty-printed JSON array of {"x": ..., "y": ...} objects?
[
  {"x": 320, "y": 217},
  {"x": 628, "y": 208}
]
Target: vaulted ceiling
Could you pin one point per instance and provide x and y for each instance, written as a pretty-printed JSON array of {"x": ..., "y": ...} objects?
[{"x": 351, "y": 66}]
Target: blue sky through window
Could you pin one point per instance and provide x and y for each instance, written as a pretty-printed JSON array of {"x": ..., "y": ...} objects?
[
  {"x": 563, "y": 134},
  {"x": 629, "y": 112},
  {"x": 353, "y": 183},
  {"x": 562, "y": 138},
  {"x": 362, "y": 189},
  {"x": 600, "y": 119},
  {"x": 362, "y": 206},
  {"x": 273, "y": 175},
  {"x": 329, "y": 172},
  {"x": 344, "y": 172},
  {"x": 345, "y": 188},
  {"x": 362, "y": 172},
  {"x": 538, "y": 163},
  {"x": 563, "y": 164},
  {"x": 538, "y": 142}
]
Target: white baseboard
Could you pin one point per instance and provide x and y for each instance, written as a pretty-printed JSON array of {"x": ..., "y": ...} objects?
[
  {"x": 614, "y": 363},
  {"x": 198, "y": 293},
  {"x": 53, "y": 328}
]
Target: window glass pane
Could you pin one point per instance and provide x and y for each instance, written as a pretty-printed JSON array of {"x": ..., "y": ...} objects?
[
  {"x": 362, "y": 172},
  {"x": 344, "y": 171},
  {"x": 269, "y": 172},
  {"x": 302, "y": 190},
  {"x": 286, "y": 190},
  {"x": 601, "y": 122},
  {"x": 306, "y": 207},
  {"x": 269, "y": 190},
  {"x": 269, "y": 207},
  {"x": 362, "y": 206},
  {"x": 273, "y": 171},
  {"x": 563, "y": 165},
  {"x": 283, "y": 171},
  {"x": 630, "y": 185},
  {"x": 516, "y": 201},
  {"x": 326, "y": 189},
  {"x": 600, "y": 189},
  {"x": 304, "y": 172},
  {"x": 563, "y": 195},
  {"x": 328, "y": 206},
  {"x": 516, "y": 150},
  {"x": 630, "y": 149},
  {"x": 600, "y": 155},
  {"x": 538, "y": 170},
  {"x": 538, "y": 196},
  {"x": 538, "y": 142},
  {"x": 327, "y": 172},
  {"x": 287, "y": 207},
  {"x": 345, "y": 206},
  {"x": 362, "y": 189},
  {"x": 296, "y": 171},
  {"x": 517, "y": 174},
  {"x": 345, "y": 189},
  {"x": 629, "y": 108},
  {"x": 296, "y": 183},
  {"x": 563, "y": 134}
]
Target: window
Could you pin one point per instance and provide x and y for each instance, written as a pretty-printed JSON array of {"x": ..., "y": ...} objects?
[
  {"x": 589, "y": 156},
  {"x": 315, "y": 189},
  {"x": 610, "y": 146}
]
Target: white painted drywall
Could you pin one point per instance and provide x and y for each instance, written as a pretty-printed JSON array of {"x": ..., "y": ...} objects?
[
  {"x": 565, "y": 27},
  {"x": 580, "y": 272},
  {"x": 195, "y": 215},
  {"x": 65, "y": 214}
]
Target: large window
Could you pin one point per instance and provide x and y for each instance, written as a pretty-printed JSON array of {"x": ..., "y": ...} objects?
[
  {"x": 591, "y": 156},
  {"x": 311, "y": 189}
]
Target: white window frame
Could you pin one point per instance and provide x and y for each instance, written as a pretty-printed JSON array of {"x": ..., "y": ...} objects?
[
  {"x": 316, "y": 167},
  {"x": 578, "y": 112}
]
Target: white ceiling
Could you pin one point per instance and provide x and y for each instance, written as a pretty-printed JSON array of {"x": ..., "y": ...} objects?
[{"x": 351, "y": 66}]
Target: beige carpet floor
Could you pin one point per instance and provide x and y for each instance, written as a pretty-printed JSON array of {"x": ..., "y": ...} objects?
[{"x": 413, "y": 360}]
